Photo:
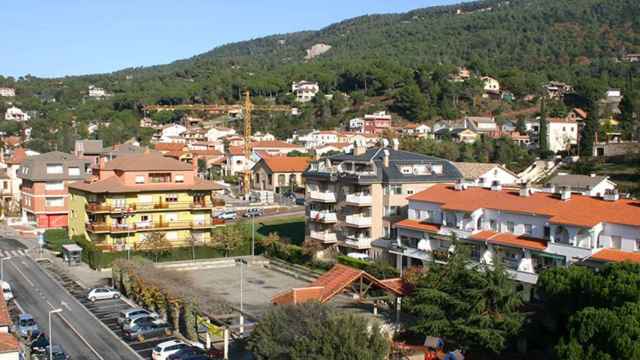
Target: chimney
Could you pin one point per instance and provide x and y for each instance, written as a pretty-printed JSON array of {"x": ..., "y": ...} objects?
[
  {"x": 496, "y": 186},
  {"x": 386, "y": 158},
  {"x": 565, "y": 193},
  {"x": 525, "y": 190},
  {"x": 611, "y": 195},
  {"x": 460, "y": 185},
  {"x": 358, "y": 148}
]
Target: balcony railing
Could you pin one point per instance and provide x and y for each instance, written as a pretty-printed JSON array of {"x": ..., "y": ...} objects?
[
  {"x": 358, "y": 220},
  {"x": 359, "y": 242},
  {"x": 360, "y": 199},
  {"x": 323, "y": 196},
  {"x": 139, "y": 206},
  {"x": 147, "y": 226},
  {"x": 324, "y": 236},
  {"x": 323, "y": 216}
]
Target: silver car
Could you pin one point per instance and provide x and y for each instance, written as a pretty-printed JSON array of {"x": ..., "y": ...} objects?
[
  {"x": 138, "y": 320},
  {"x": 126, "y": 315}
]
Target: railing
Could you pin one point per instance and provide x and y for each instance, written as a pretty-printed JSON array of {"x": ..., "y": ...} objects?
[
  {"x": 358, "y": 220},
  {"x": 325, "y": 236},
  {"x": 360, "y": 242},
  {"x": 148, "y": 226},
  {"x": 323, "y": 216},
  {"x": 326, "y": 196},
  {"x": 360, "y": 199},
  {"x": 138, "y": 206}
]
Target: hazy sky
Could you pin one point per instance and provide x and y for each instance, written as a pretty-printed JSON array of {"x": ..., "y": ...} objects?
[{"x": 70, "y": 37}]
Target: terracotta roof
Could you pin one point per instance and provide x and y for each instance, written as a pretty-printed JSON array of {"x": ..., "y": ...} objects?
[
  {"x": 508, "y": 239},
  {"x": 113, "y": 185},
  {"x": 583, "y": 114},
  {"x": 12, "y": 140},
  {"x": 19, "y": 155},
  {"x": 474, "y": 170},
  {"x": 336, "y": 145},
  {"x": 286, "y": 164},
  {"x": 8, "y": 344},
  {"x": 5, "y": 318},
  {"x": 146, "y": 162},
  {"x": 236, "y": 150},
  {"x": 614, "y": 255},
  {"x": 169, "y": 146},
  {"x": 417, "y": 225},
  {"x": 580, "y": 210},
  {"x": 273, "y": 144}
]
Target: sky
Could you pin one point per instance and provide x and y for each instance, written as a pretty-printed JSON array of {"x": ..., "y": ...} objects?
[{"x": 51, "y": 38}]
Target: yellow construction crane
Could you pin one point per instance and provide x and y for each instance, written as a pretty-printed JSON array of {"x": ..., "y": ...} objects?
[{"x": 247, "y": 108}]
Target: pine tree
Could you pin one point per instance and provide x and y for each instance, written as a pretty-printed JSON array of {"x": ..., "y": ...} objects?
[
  {"x": 543, "y": 133},
  {"x": 589, "y": 131}
]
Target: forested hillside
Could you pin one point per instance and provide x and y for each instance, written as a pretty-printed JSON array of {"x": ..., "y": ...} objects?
[{"x": 377, "y": 60}]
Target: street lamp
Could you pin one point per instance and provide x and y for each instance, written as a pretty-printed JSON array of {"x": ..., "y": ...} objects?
[
  {"x": 242, "y": 263},
  {"x": 54, "y": 311},
  {"x": 253, "y": 235},
  {"x": 2, "y": 266}
]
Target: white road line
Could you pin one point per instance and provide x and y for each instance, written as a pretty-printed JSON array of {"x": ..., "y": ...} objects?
[
  {"x": 23, "y": 275},
  {"x": 80, "y": 336}
]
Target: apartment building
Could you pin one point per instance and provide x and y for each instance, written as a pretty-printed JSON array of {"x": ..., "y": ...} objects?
[
  {"x": 43, "y": 191},
  {"x": 136, "y": 195},
  {"x": 353, "y": 199},
  {"x": 527, "y": 230}
]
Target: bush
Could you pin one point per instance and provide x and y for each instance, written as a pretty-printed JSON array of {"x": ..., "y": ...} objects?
[
  {"x": 55, "y": 238},
  {"x": 377, "y": 269}
]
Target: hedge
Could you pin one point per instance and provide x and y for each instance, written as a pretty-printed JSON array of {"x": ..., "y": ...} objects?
[
  {"x": 379, "y": 270},
  {"x": 55, "y": 238}
]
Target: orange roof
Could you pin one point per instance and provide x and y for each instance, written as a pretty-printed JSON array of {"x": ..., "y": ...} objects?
[
  {"x": 236, "y": 150},
  {"x": 273, "y": 144},
  {"x": 146, "y": 162},
  {"x": 286, "y": 164},
  {"x": 113, "y": 185},
  {"x": 583, "y": 114},
  {"x": 169, "y": 146},
  {"x": 8, "y": 344},
  {"x": 417, "y": 225},
  {"x": 5, "y": 318},
  {"x": 509, "y": 239},
  {"x": 12, "y": 140},
  {"x": 19, "y": 155},
  {"x": 614, "y": 255}
]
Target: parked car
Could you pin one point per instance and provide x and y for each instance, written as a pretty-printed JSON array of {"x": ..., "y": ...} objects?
[
  {"x": 139, "y": 320},
  {"x": 27, "y": 325},
  {"x": 165, "y": 349},
  {"x": 103, "y": 294},
  {"x": 6, "y": 291},
  {"x": 187, "y": 353},
  {"x": 126, "y": 315},
  {"x": 359, "y": 256},
  {"x": 253, "y": 212},
  {"x": 300, "y": 201},
  {"x": 148, "y": 331},
  {"x": 40, "y": 344},
  {"x": 227, "y": 215},
  {"x": 57, "y": 353}
]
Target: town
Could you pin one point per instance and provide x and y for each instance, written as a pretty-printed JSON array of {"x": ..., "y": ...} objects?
[{"x": 463, "y": 208}]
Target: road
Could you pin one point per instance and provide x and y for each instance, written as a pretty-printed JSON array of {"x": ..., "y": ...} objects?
[{"x": 79, "y": 333}]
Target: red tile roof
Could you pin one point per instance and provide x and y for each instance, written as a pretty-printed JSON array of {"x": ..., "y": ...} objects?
[
  {"x": 583, "y": 114},
  {"x": 614, "y": 255},
  {"x": 286, "y": 164},
  {"x": 236, "y": 150},
  {"x": 146, "y": 162},
  {"x": 5, "y": 318},
  {"x": 8, "y": 344},
  {"x": 579, "y": 210},
  {"x": 508, "y": 239},
  {"x": 19, "y": 155},
  {"x": 12, "y": 140},
  {"x": 273, "y": 144},
  {"x": 417, "y": 225},
  {"x": 169, "y": 146}
]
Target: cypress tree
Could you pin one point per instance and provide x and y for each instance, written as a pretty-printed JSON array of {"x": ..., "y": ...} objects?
[
  {"x": 543, "y": 138},
  {"x": 589, "y": 131}
]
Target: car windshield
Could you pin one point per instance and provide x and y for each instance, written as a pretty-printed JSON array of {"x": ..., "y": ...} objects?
[
  {"x": 27, "y": 322},
  {"x": 6, "y": 290}
]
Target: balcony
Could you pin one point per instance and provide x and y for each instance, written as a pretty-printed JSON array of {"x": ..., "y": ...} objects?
[
  {"x": 361, "y": 199},
  {"x": 324, "y": 236},
  {"x": 323, "y": 216},
  {"x": 147, "y": 226},
  {"x": 323, "y": 196},
  {"x": 358, "y": 221},
  {"x": 358, "y": 242},
  {"x": 95, "y": 208}
]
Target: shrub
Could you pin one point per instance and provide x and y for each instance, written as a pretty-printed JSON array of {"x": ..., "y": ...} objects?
[
  {"x": 377, "y": 269},
  {"x": 55, "y": 238}
]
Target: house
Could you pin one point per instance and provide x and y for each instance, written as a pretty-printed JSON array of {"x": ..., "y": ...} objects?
[
  {"x": 96, "y": 92},
  {"x": 318, "y": 138},
  {"x": 15, "y": 114},
  {"x": 521, "y": 139},
  {"x": 9, "y": 345},
  {"x": 7, "y": 92},
  {"x": 90, "y": 150},
  {"x": 577, "y": 114},
  {"x": 481, "y": 124},
  {"x": 461, "y": 135},
  {"x": 527, "y": 230},
  {"x": 335, "y": 147},
  {"x": 279, "y": 173},
  {"x": 557, "y": 89},
  {"x": 377, "y": 123},
  {"x": 562, "y": 134},
  {"x": 353, "y": 199},
  {"x": 12, "y": 166},
  {"x": 631, "y": 58},
  {"x": 170, "y": 132},
  {"x": 587, "y": 185},
  {"x": 259, "y": 136},
  {"x": 118, "y": 150},
  {"x": 486, "y": 174},
  {"x": 136, "y": 196},
  {"x": 236, "y": 161},
  {"x": 305, "y": 91},
  {"x": 218, "y": 133},
  {"x": 44, "y": 192},
  {"x": 353, "y": 137},
  {"x": 413, "y": 129},
  {"x": 276, "y": 147},
  {"x": 462, "y": 75},
  {"x": 191, "y": 122},
  {"x": 356, "y": 124},
  {"x": 491, "y": 86}
]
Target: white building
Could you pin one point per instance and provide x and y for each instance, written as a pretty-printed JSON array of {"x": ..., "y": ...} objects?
[
  {"x": 528, "y": 231},
  {"x": 7, "y": 92},
  {"x": 318, "y": 138},
  {"x": 336, "y": 147},
  {"x": 259, "y": 136},
  {"x": 588, "y": 185},
  {"x": 305, "y": 90},
  {"x": 491, "y": 85},
  {"x": 356, "y": 124},
  {"x": 486, "y": 174},
  {"x": 481, "y": 124},
  {"x": 15, "y": 114},
  {"x": 236, "y": 162},
  {"x": 562, "y": 134},
  {"x": 96, "y": 92},
  {"x": 217, "y": 133},
  {"x": 172, "y": 133}
]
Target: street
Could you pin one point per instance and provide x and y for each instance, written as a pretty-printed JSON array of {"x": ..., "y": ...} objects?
[{"x": 79, "y": 333}]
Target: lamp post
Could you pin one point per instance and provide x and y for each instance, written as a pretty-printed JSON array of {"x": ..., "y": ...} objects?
[
  {"x": 242, "y": 263},
  {"x": 2, "y": 266},
  {"x": 253, "y": 235},
  {"x": 54, "y": 311}
]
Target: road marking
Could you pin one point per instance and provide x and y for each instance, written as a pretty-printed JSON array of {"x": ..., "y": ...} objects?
[
  {"x": 80, "y": 336},
  {"x": 23, "y": 275}
]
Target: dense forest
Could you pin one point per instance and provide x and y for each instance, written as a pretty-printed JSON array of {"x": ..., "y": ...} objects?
[{"x": 399, "y": 62}]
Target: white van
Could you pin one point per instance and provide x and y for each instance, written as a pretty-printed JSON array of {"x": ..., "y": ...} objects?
[{"x": 6, "y": 291}]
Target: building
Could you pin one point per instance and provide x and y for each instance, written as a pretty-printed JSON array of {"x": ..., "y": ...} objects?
[
  {"x": 13, "y": 164},
  {"x": 486, "y": 174},
  {"x": 44, "y": 192},
  {"x": 9, "y": 345},
  {"x": 276, "y": 147},
  {"x": 528, "y": 231},
  {"x": 356, "y": 124},
  {"x": 333, "y": 148},
  {"x": 631, "y": 57},
  {"x": 419, "y": 130},
  {"x": 260, "y": 136},
  {"x": 562, "y": 134},
  {"x": 461, "y": 135},
  {"x": 89, "y": 150},
  {"x": 481, "y": 124},
  {"x": 218, "y": 133},
  {"x": 377, "y": 123},
  {"x": 15, "y": 114},
  {"x": 353, "y": 199},
  {"x": 318, "y": 138},
  {"x": 305, "y": 91},
  {"x": 491, "y": 86},
  {"x": 236, "y": 161},
  {"x": 96, "y": 92},
  {"x": 170, "y": 132},
  {"x": 557, "y": 89},
  {"x": 7, "y": 92},
  {"x": 137, "y": 195},
  {"x": 587, "y": 185},
  {"x": 279, "y": 174}
]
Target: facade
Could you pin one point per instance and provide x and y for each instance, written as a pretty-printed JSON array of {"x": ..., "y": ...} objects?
[
  {"x": 136, "y": 195},
  {"x": 276, "y": 147},
  {"x": 279, "y": 173},
  {"x": 15, "y": 114},
  {"x": 528, "y": 231},
  {"x": 96, "y": 92},
  {"x": 562, "y": 134},
  {"x": 12, "y": 169},
  {"x": 236, "y": 163},
  {"x": 587, "y": 185},
  {"x": 305, "y": 91},
  {"x": 44, "y": 193},
  {"x": 419, "y": 130},
  {"x": 353, "y": 199},
  {"x": 7, "y": 92},
  {"x": 485, "y": 174},
  {"x": 218, "y": 133},
  {"x": 491, "y": 86},
  {"x": 377, "y": 123},
  {"x": 481, "y": 124},
  {"x": 557, "y": 90}
]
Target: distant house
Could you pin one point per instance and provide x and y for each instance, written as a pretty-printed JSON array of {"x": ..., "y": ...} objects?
[
  {"x": 462, "y": 135},
  {"x": 276, "y": 147},
  {"x": 96, "y": 92},
  {"x": 463, "y": 74},
  {"x": 7, "y": 92},
  {"x": 171, "y": 132},
  {"x": 588, "y": 185},
  {"x": 486, "y": 174},
  {"x": 419, "y": 130},
  {"x": 318, "y": 138},
  {"x": 631, "y": 57},
  {"x": 491, "y": 86},
  {"x": 557, "y": 89},
  {"x": 335, "y": 147},
  {"x": 562, "y": 134},
  {"x": 305, "y": 91},
  {"x": 481, "y": 124},
  {"x": 356, "y": 124},
  {"x": 216, "y": 133},
  {"x": 279, "y": 173},
  {"x": 377, "y": 123},
  {"x": 15, "y": 114},
  {"x": 259, "y": 136}
]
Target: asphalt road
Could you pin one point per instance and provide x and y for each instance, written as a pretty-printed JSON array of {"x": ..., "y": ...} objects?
[{"x": 79, "y": 333}]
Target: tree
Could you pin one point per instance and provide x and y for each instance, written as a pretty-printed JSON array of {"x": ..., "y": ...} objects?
[
  {"x": 589, "y": 131},
  {"x": 543, "y": 133},
  {"x": 521, "y": 125},
  {"x": 316, "y": 331},
  {"x": 157, "y": 244},
  {"x": 471, "y": 306},
  {"x": 628, "y": 123},
  {"x": 411, "y": 103},
  {"x": 270, "y": 242},
  {"x": 228, "y": 238}
]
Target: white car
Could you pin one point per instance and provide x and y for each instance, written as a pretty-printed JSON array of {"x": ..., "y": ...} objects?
[
  {"x": 103, "y": 294},
  {"x": 163, "y": 350},
  {"x": 6, "y": 291},
  {"x": 228, "y": 215}
]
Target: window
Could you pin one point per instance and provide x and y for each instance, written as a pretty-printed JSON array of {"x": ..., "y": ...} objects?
[
  {"x": 436, "y": 169},
  {"x": 410, "y": 192},
  {"x": 528, "y": 229},
  {"x": 616, "y": 242},
  {"x": 406, "y": 170},
  {"x": 55, "y": 169},
  {"x": 493, "y": 225},
  {"x": 637, "y": 244},
  {"x": 160, "y": 178},
  {"x": 144, "y": 218},
  {"x": 57, "y": 185},
  {"x": 55, "y": 202},
  {"x": 74, "y": 171},
  {"x": 140, "y": 179},
  {"x": 179, "y": 178},
  {"x": 395, "y": 190},
  {"x": 5, "y": 185},
  {"x": 511, "y": 227},
  {"x": 171, "y": 198},
  {"x": 392, "y": 211},
  {"x": 547, "y": 232}
]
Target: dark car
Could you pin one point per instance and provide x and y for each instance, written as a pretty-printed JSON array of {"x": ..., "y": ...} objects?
[
  {"x": 253, "y": 212},
  {"x": 300, "y": 201},
  {"x": 148, "y": 330},
  {"x": 188, "y": 353},
  {"x": 39, "y": 345}
]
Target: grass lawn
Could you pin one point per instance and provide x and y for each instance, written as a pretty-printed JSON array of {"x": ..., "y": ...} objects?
[{"x": 290, "y": 229}]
